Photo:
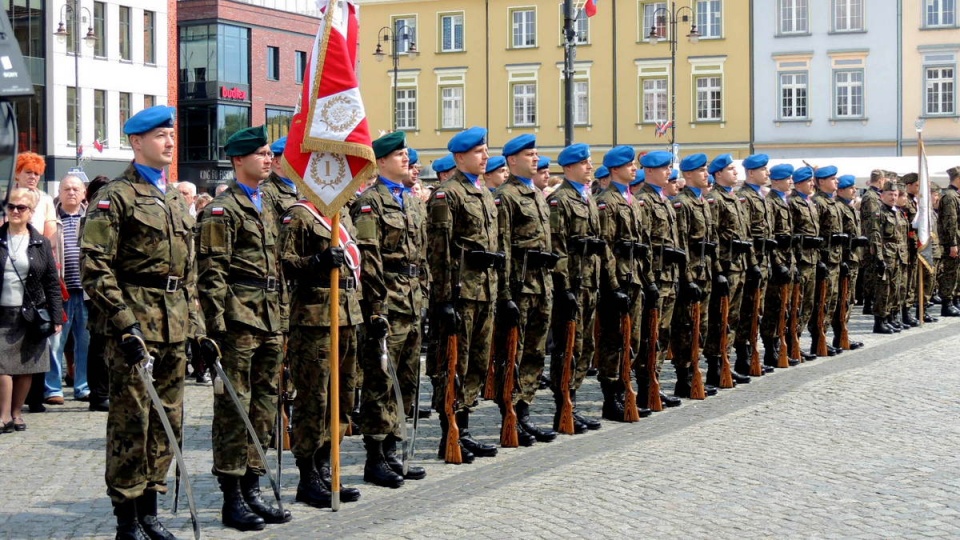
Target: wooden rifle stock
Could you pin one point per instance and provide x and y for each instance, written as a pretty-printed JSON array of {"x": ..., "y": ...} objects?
[
  {"x": 697, "y": 391},
  {"x": 566, "y": 409},
  {"x": 844, "y": 306},
  {"x": 653, "y": 333},
  {"x": 796, "y": 297},
  {"x": 630, "y": 411},
  {"x": 284, "y": 401},
  {"x": 783, "y": 360},
  {"x": 821, "y": 315},
  {"x": 756, "y": 369},
  {"x": 452, "y": 453},
  {"x": 508, "y": 431},
  {"x": 726, "y": 373},
  {"x": 490, "y": 385}
]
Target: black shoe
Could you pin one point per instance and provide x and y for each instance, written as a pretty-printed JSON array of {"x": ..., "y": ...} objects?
[
  {"x": 710, "y": 390},
  {"x": 523, "y": 420},
  {"x": 146, "y": 505},
  {"x": 833, "y": 351},
  {"x": 466, "y": 456},
  {"x": 928, "y": 318},
  {"x": 476, "y": 447},
  {"x": 414, "y": 472},
  {"x": 250, "y": 489},
  {"x": 793, "y": 362},
  {"x": 612, "y": 402},
  {"x": 235, "y": 513},
  {"x": 579, "y": 428},
  {"x": 948, "y": 310},
  {"x": 936, "y": 298},
  {"x": 311, "y": 489},
  {"x": 768, "y": 368},
  {"x": 880, "y": 326},
  {"x": 543, "y": 382},
  {"x": 321, "y": 460},
  {"x": 525, "y": 439},
  {"x": 644, "y": 412},
  {"x": 807, "y": 356},
  {"x": 713, "y": 371},
  {"x": 101, "y": 405},
  {"x": 670, "y": 401},
  {"x": 376, "y": 470},
  {"x": 592, "y": 371},
  {"x": 128, "y": 526},
  {"x": 589, "y": 423},
  {"x": 741, "y": 379},
  {"x": 854, "y": 345}
]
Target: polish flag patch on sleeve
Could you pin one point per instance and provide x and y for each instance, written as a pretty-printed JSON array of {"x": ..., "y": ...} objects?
[
  {"x": 365, "y": 209},
  {"x": 641, "y": 202},
  {"x": 497, "y": 201},
  {"x": 602, "y": 206},
  {"x": 554, "y": 202},
  {"x": 440, "y": 195},
  {"x": 217, "y": 211},
  {"x": 287, "y": 219},
  {"x": 677, "y": 204},
  {"x": 103, "y": 205}
]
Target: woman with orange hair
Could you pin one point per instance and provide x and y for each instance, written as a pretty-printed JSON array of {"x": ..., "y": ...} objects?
[{"x": 30, "y": 168}]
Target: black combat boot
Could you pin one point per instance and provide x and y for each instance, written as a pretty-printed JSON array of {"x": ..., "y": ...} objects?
[
  {"x": 311, "y": 490},
  {"x": 147, "y": 516},
  {"x": 867, "y": 306},
  {"x": 376, "y": 470},
  {"x": 893, "y": 323},
  {"x": 466, "y": 456},
  {"x": 908, "y": 317},
  {"x": 580, "y": 420},
  {"x": 578, "y": 427},
  {"x": 250, "y": 489},
  {"x": 396, "y": 464},
  {"x": 771, "y": 351},
  {"x": 713, "y": 371},
  {"x": 927, "y": 316},
  {"x": 467, "y": 441},
  {"x": 880, "y": 325},
  {"x": 742, "y": 365},
  {"x": 612, "y": 406},
  {"x": 321, "y": 460},
  {"x": 128, "y": 527},
  {"x": 682, "y": 388},
  {"x": 947, "y": 309},
  {"x": 235, "y": 513},
  {"x": 523, "y": 420}
]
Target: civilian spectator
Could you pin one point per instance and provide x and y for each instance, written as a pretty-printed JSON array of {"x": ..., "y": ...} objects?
[
  {"x": 202, "y": 201},
  {"x": 189, "y": 192},
  {"x": 29, "y": 171},
  {"x": 220, "y": 189}
]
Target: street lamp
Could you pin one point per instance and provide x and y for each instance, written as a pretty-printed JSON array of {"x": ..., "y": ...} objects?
[
  {"x": 673, "y": 15},
  {"x": 395, "y": 38},
  {"x": 74, "y": 7}
]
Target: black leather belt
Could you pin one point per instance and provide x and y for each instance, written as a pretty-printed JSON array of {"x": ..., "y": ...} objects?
[
  {"x": 324, "y": 282},
  {"x": 267, "y": 284},
  {"x": 708, "y": 248},
  {"x": 168, "y": 284},
  {"x": 482, "y": 260},
  {"x": 411, "y": 270},
  {"x": 536, "y": 258}
]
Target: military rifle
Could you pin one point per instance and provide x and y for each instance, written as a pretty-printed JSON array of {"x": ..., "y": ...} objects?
[
  {"x": 490, "y": 384},
  {"x": 821, "y": 337},
  {"x": 565, "y": 424},
  {"x": 508, "y": 429},
  {"x": 782, "y": 360},
  {"x": 726, "y": 374},
  {"x": 697, "y": 391},
  {"x": 795, "y": 299},
  {"x": 843, "y": 308},
  {"x": 756, "y": 369},
  {"x": 452, "y": 452}
]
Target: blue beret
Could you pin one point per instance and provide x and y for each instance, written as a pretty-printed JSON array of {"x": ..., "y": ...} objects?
[
  {"x": 847, "y": 180},
  {"x": 467, "y": 139},
  {"x": 755, "y": 161},
  {"x": 543, "y": 163},
  {"x": 619, "y": 156},
  {"x": 495, "y": 163},
  {"x": 802, "y": 175},
  {"x": 781, "y": 172},
  {"x": 150, "y": 118},
  {"x": 655, "y": 159},
  {"x": 279, "y": 145},
  {"x": 673, "y": 174},
  {"x": 826, "y": 172},
  {"x": 693, "y": 162},
  {"x": 575, "y": 153},
  {"x": 641, "y": 177},
  {"x": 518, "y": 143},
  {"x": 413, "y": 156},
  {"x": 601, "y": 172},
  {"x": 720, "y": 163},
  {"x": 390, "y": 142},
  {"x": 443, "y": 164},
  {"x": 246, "y": 141},
  {"x": 711, "y": 180}
]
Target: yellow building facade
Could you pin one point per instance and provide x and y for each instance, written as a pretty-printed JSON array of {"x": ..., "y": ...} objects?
[{"x": 500, "y": 64}]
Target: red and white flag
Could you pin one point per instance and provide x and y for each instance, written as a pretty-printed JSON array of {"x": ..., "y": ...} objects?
[
  {"x": 662, "y": 128},
  {"x": 329, "y": 151},
  {"x": 590, "y": 6}
]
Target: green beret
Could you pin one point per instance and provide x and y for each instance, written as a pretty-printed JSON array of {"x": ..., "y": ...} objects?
[
  {"x": 385, "y": 145},
  {"x": 246, "y": 141},
  {"x": 910, "y": 178}
]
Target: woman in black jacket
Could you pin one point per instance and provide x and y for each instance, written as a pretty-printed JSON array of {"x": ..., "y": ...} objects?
[{"x": 30, "y": 282}]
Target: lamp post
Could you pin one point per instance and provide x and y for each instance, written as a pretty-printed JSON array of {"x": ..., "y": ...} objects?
[
  {"x": 75, "y": 8},
  {"x": 385, "y": 35},
  {"x": 673, "y": 15}
]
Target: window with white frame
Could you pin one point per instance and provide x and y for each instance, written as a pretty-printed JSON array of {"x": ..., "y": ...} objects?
[
  {"x": 405, "y": 33},
  {"x": 524, "y": 104},
  {"x": 937, "y": 13},
  {"x": 581, "y": 103},
  {"x": 582, "y": 27},
  {"x": 793, "y": 96},
  {"x": 940, "y": 90},
  {"x": 524, "y": 27},
  {"x": 709, "y": 98},
  {"x": 655, "y": 100},
  {"x": 847, "y": 15},
  {"x": 451, "y": 104},
  {"x": 406, "y": 108},
  {"x": 451, "y": 32},
  {"x": 792, "y": 16},
  {"x": 709, "y": 18},
  {"x": 655, "y": 18},
  {"x": 848, "y": 93}
]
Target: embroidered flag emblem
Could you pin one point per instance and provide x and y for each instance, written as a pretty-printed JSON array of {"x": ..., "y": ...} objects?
[
  {"x": 103, "y": 205},
  {"x": 217, "y": 211},
  {"x": 440, "y": 195},
  {"x": 602, "y": 206},
  {"x": 287, "y": 219},
  {"x": 365, "y": 209},
  {"x": 555, "y": 202}
]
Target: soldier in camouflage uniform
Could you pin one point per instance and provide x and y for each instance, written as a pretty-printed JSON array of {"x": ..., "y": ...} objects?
[
  {"x": 238, "y": 281},
  {"x": 828, "y": 268},
  {"x": 948, "y": 229},
  {"x": 908, "y": 204},
  {"x": 391, "y": 237},
  {"x": 307, "y": 260},
  {"x": 666, "y": 259},
  {"x": 884, "y": 241},
  {"x": 806, "y": 229},
  {"x": 621, "y": 284},
  {"x": 137, "y": 247},
  {"x": 525, "y": 294},
  {"x": 920, "y": 264},
  {"x": 698, "y": 238},
  {"x": 869, "y": 209},
  {"x": 731, "y": 221},
  {"x": 850, "y": 267},
  {"x": 463, "y": 251},
  {"x": 575, "y": 234},
  {"x": 781, "y": 263}
]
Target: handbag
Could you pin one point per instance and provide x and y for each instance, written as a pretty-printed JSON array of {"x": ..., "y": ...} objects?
[{"x": 38, "y": 319}]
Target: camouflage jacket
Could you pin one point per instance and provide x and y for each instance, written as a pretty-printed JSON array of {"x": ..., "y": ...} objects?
[
  {"x": 759, "y": 222},
  {"x": 392, "y": 241},
  {"x": 806, "y": 223},
  {"x": 278, "y": 194},
  {"x": 731, "y": 221},
  {"x": 781, "y": 222},
  {"x": 619, "y": 223},
  {"x": 695, "y": 230},
  {"x": 829, "y": 213},
  {"x": 524, "y": 220},
  {"x": 236, "y": 248},
  {"x": 948, "y": 219},
  {"x": 663, "y": 231},
  {"x": 850, "y": 224},
  {"x": 133, "y": 234},
  {"x": 869, "y": 209},
  {"x": 573, "y": 218},
  {"x": 461, "y": 219},
  {"x": 302, "y": 237}
]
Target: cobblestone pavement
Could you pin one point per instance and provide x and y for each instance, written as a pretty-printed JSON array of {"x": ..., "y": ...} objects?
[{"x": 862, "y": 445}]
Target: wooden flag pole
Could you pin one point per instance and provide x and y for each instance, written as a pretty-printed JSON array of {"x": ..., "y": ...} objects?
[{"x": 335, "y": 370}]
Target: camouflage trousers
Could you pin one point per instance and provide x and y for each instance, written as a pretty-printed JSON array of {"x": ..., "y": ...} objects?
[
  {"x": 584, "y": 343},
  {"x": 531, "y": 345},
  {"x": 668, "y": 300},
  {"x": 682, "y": 338},
  {"x": 748, "y": 310},
  {"x": 845, "y": 301},
  {"x": 885, "y": 302},
  {"x": 251, "y": 361},
  {"x": 808, "y": 287},
  {"x": 610, "y": 343},
  {"x": 712, "y": 346},
  {"x": 832, "y": 281},
  {"x": 379, "y": 415},
  {"x": 309, "y": 353},
  {"x": 138, "y": 451},
  {"x": 773, "y": 306},
  {"x": 947, "y": 280},
  {"x": 870, "y": 277},
  {"x": 474, "y": 337},
  {"x": 910, "y": 282}
]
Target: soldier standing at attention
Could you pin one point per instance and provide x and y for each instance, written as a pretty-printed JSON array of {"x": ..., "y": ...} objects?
[
  {"x": 850, "y": 267},
  {"x": 525, "y": 294},
  {"x": 758, "y": 229},
  {"x": 495, "y": 173},
  {"x": 948, "y": 229},
  {"x": 731, "y": 221},
  {"x": 575, "y": 234},
  {"x": 239, "y": 283},
  {"x": 391, "y": 238},
  {"x": 911, "y": 182},
  {"x": 806, "y": 227},
  {"x": 781, "y": 262},
  {"x": 279, "y": 191},
  {"x": 828, "y": 269},
  {"x": 137, "y": 247},
  {"x": 869, "y": 211},
  {"x": 666, "y": 258},
  {"x": 463, "y": 253},
  {"x": 885, "y": 236}
]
